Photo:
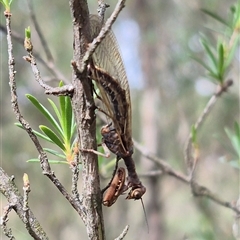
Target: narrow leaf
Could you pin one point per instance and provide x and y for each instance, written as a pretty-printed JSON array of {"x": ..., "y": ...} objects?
[
  {"x": 69, "y": 116},
  {"x": 220, "y": 61},
  {"x": 52, "y": 136},
  {"x": 209, "y": 52},
  {"x": 28, "y": 32},
  {"x": 216, "y": 17},
  {"x": 231, "y": 53},
  {"x": 50, "y": 161},
  {"x": 45, "y": 112},
  {"x": 62, "y": 107},
  {"x": 194, "y": 135},
  {"x": 54, "y": 106},
  {"x": 35, "y": 132},
  {"x": 56, "y": 153},
  {"x": 237, "y": 130},
  {"x": 204, "y": 65}
]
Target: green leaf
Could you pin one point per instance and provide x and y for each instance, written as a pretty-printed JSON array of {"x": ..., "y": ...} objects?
[
  {"x": 45, "y": 112},
  {"x": 28, "y": 32},
  {"x": 6, "y": 4},
  {"x": 73, "y": 127},
  {"x": 202, "y": 63},
  {"x": 56, "y": 153},
  {"x": 234, "y": 138},
  {"x": 216, "y": 17},
  {"x": 63, "y": 115},
  {"x": 52, "y": 136},
  {"x": 194, "y": 135},
  {"x": 220, "y": 61},
  {"x": 55, "y": 109},
  {"x": 69, "y": 116},
  {"x": 50, "y": 161},
  {"x": 209, "y": 52},
  {"x": 237, "y": 130},
  {"x": 231, "y": 53},
  {"x": 35, "y": 132}
]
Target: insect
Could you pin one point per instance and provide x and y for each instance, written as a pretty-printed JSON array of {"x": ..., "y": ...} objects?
[
  {"x": 107, "y": 69},
  {"x": 116, "y": 188}
]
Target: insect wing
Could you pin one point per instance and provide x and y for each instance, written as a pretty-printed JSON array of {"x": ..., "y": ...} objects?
[{"x": 108, "y": 57}]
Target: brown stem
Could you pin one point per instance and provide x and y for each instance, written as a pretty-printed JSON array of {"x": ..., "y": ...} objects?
[
  {"x": 220, "y": 90},
  {"x": 197, "y": 189},
  {"x": 65, "y": 90},
  {"x": 16, "y": 202},
  {"x": 83, "y": 107},
  {"x": 105, "y": 29},
  {"x": 14, "y": 99}
]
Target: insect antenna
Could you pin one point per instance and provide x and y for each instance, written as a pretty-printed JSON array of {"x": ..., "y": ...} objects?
[{"x": 145, "y": 214}]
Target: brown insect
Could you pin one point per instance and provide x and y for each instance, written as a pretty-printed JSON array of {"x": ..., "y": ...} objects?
[
  {"x": 108, "y": 71},
  {"x": 116, "y": 188}
]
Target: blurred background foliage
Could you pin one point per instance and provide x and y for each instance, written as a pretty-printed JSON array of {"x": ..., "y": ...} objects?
[{"x": 169, "y": 91}]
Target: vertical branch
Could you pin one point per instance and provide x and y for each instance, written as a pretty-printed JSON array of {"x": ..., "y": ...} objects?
[{"x": 83, "y": 107}]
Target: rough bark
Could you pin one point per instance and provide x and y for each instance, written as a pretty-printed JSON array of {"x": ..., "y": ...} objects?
[{"x": 83, "y": 106}]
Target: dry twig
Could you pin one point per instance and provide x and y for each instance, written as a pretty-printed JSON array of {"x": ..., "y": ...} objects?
[
  {"x": 43, "y": 157},
  {"x": 105, "y": 29},
  {"x": 197, "y": 189},
  {"x": 65, "y": 90},
  {"x": 201, "y": 119},
  {"x": 123, "y": 234}
]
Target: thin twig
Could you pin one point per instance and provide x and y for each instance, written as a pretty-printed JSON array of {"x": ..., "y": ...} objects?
[
  {"x": 39, "y": 32},
  {"x": 3, "y": 222},
  {"x": 105, "y": 29},
  {"x": 50, "y": 67},
  {"x": 123, "y": 234},
  {"x": 15, "y": 200},
  {"x": 26, "y": 191},
  {"x": 75, "y": 174},
  {"x": 65, "y": 90},
  {"x": 150, "y": 174},
  {"x": 202, "y": 118},
  {"x": 198, "y": 190},
  {"x": 43, "y": 157},
  {"x": 102, "y": 7}
]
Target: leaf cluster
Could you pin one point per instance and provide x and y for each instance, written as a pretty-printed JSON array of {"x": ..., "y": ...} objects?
[
  {"x": 219, "y": 55},
  {"x": 63, "y": 127}
]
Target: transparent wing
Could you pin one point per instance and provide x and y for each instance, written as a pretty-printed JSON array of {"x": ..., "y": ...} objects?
[{"x": 108, "y": 57}]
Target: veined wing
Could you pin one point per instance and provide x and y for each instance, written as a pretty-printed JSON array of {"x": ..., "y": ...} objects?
[{"x": 108, "y": 58}]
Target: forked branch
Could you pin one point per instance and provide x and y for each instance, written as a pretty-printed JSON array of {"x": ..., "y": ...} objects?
[
  {"x": 198, "y": 190},
  {"x": 15, "y": 106},
  {"x": 105, "y": 29}
]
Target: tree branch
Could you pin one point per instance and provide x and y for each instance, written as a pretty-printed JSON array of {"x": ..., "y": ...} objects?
[
  {"x": 50, "y": 67},
  {"x": 83, "y": 107},
  {"x": 105, "y": 29},
  {"x": 15, "y": 200},
  {"x": 14, "y": 99},
  {"x": 202, "y": 118},
  {"x": 197, "y": 189},
  {"x": 65, "y": 90}
]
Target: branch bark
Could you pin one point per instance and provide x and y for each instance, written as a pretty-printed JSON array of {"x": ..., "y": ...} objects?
[
  {"x": 197, "y": 189},
  {"x": 15, "y": 200},
  {"x": 83, "y": 107}
]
